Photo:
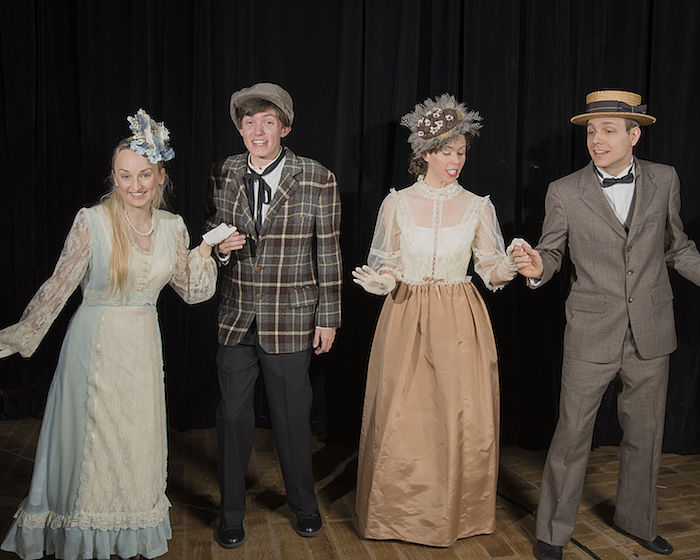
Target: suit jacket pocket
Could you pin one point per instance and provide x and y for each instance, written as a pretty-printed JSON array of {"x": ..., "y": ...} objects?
[
  {"x": 590, "y": 303},
  {"x": 661, "y": 294},
  {"x": 302, "y": 296}
]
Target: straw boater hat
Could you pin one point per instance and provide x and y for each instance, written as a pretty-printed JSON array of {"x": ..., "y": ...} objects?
[
  {"x": 437, "y": 121},
  {"x": 614, "y": 103}
]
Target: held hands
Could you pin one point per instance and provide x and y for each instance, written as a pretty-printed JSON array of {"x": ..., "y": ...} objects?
[
  {"x": 218, "y": 234},
  {"x": 233, "y": 242},
  {"x": 221, "y": 235},
  {"x": 528, "y": 261},
  {"x": 373, "y": 283},
  {"x": 517, "y": 242}
]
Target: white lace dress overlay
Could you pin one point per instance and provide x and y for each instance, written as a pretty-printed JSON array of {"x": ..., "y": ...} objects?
[
  {"x": 426, "y": 235},
  {"x": 98, "y": 485}
]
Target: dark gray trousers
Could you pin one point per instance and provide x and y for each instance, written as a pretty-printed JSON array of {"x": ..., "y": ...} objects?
[{"x": 289, "y": 396}]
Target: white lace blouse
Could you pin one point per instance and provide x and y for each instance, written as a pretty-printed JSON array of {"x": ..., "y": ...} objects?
[{"x": 426, "y": 235}]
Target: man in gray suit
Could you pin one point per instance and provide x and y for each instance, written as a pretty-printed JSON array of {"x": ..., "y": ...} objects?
[{"x": 619, "y": 218}]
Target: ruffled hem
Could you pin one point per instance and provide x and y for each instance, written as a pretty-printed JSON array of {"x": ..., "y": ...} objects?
[
  {"x": 84, "y": 544},
  {"x": 84, "y": 520}
]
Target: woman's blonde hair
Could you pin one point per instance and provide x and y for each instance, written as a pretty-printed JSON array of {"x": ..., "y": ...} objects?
[{"x": 114, "y": 207}]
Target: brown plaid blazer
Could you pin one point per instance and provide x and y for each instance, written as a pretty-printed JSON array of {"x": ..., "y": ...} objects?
[{"x": 289, "y": 278}]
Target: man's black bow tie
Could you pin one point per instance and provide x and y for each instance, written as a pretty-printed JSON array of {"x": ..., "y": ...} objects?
[{"x": 609, "y": 182}]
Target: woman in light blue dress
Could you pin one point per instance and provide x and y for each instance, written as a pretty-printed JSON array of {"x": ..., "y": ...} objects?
[{"x": 98, "y": 486}]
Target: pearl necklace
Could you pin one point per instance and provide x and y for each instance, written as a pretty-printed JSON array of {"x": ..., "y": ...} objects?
[{"x": 135, "y": 229}]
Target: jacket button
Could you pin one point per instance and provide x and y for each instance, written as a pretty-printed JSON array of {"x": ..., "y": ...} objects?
[
  {"x": 630, "y": 300},
  {"x": 630, "y": 272},
  {"x": 258, "y": 296},
  {"x": 629, "y": 247},
  {"x": 258, "y": 269}
]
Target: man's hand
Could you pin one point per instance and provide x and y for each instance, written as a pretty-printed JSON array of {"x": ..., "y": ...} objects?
[
  {"x": 528, "y": 261},
  {"x": 233, "y": 242},
  {"x": 323, "y": 340},
  {"x": 379, "y": 284}
]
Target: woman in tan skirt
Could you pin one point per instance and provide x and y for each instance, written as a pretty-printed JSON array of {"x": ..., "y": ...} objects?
[{"x": 428, "y": 457}]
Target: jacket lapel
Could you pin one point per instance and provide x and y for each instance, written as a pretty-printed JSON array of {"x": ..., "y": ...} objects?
[
  {"x": 592, "y": 195},
  {"x": 645, "y": 191},
  {"x": 288, "y": 184},
  {"x": 241, "y": 209}
]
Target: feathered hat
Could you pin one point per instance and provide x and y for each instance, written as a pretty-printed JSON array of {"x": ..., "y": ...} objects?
[{"x": 436, "y": 121}]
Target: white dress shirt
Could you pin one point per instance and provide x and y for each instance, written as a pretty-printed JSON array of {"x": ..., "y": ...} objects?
[
  {"x": 620, "y": 195},
  {"x": 272, "y": 179}
]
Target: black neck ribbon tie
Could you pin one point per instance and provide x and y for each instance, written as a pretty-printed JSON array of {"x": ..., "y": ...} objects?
[
  {"x": 610, "y": 181},
  {"x": 264, "y": 190}
]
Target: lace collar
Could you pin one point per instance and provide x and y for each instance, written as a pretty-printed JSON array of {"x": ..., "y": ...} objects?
[{"x": 444, "y": 193}]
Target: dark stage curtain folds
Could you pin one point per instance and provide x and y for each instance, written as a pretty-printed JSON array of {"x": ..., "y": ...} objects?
[{"x": 71, "y": 71}]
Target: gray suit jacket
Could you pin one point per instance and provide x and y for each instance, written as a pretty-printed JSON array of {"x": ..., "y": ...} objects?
[{"x": 618, "y": 278}]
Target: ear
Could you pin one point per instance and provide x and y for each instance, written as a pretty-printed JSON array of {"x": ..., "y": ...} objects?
[
  {"x": 285, "y": 130},
  {"x": 424, "y": 156},
  {"x": 161, "y": 176},
  {"x": 635, "y": 135}
]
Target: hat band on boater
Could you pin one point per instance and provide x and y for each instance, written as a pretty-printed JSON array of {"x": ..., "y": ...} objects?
[{"x": 610, "y": 106}]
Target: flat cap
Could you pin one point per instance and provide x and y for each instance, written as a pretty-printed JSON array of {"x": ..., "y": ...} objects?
[{"x": 267, "y": 91}]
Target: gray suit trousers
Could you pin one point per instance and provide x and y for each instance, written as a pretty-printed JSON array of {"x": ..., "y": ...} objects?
[{"x": 641, "y": 412}]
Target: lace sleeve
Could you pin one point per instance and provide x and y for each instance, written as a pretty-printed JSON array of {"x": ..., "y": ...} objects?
[
  {"x": 24, "y": 337},
  {"x": 385, "y": 252},
  {"x": 194, "y": 277},
  {"x": 490, "y": 260}
]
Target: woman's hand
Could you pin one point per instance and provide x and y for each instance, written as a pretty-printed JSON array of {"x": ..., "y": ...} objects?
[{"x": 373, "y": 283}]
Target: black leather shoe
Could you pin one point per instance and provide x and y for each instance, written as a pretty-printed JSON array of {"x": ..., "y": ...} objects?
[
  {"x": 230, "y": 537},
  {"x": 659, "y": 545},
  {"x": 546, "y": 551},
  {"x": 308, "y": 525}
]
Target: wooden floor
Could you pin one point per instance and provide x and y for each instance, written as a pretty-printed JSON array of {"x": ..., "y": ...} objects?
[{"x": 193, "y": 490}]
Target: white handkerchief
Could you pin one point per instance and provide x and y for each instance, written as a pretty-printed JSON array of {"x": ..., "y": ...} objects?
[{"x": 218, "y": 234}]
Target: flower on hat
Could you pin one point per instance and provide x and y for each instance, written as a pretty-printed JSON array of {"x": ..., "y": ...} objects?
[
  {"x": 436, "y": 121},
  {"x": 150, "y": 138}
]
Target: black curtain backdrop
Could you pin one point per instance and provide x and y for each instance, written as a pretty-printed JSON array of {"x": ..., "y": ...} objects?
[{"x": 71, "y": 71}]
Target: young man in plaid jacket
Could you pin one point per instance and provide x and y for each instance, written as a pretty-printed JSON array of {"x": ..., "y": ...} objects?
[{"x": 280, "y": 284}]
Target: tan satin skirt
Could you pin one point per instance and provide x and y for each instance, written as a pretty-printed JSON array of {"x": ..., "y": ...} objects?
[{"x": 428, "y": 457}]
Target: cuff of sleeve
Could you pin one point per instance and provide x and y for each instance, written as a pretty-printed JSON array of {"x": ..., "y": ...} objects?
[
  {"x": 222, "y": 259},
  {"x": 534, "y": 282}
]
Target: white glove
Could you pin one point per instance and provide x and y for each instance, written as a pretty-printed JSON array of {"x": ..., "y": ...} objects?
[
  {"x": 218, "y": 234},
  {"x": 373, "y": 283},
  {"x": 516, "y": 241}
]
